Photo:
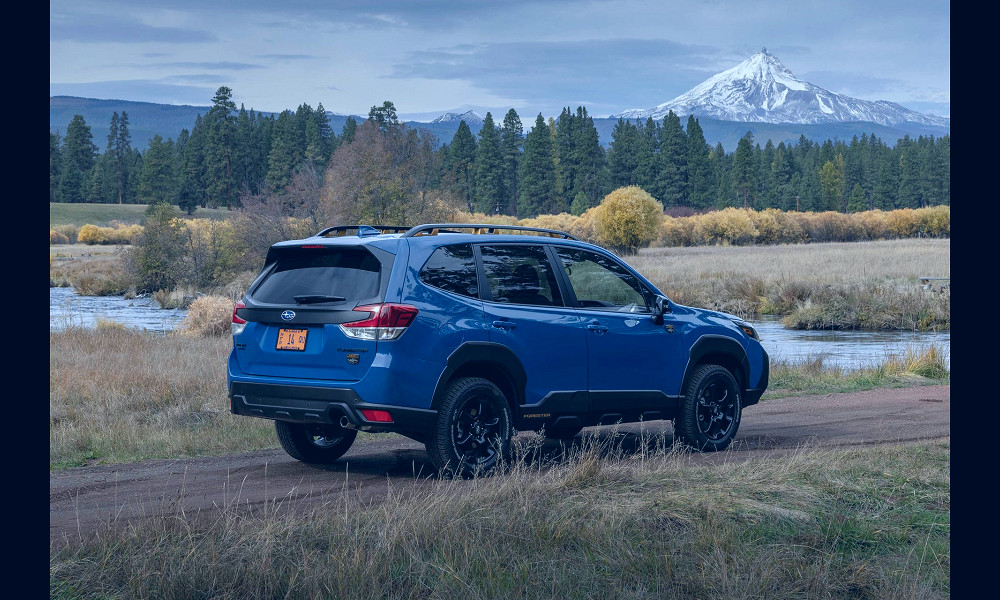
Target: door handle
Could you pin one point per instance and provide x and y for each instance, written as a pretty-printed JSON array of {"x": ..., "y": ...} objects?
[
  {"x": 598, "y": 328},
  {"x": 504, "y": 324}
]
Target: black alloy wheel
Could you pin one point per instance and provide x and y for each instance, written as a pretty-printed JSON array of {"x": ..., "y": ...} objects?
[{"x": 710, "y": 414}]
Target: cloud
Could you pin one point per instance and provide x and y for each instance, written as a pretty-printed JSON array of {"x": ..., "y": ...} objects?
[
  {"x": 137, "y": 90},
  {"x": 287, "y": 56},
  {"x": 102, "y": 29},
  {"x": 547, "y": 73},
  {"x": 211, "y": 66}
]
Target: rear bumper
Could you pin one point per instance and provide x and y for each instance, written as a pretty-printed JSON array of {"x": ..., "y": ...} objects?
[{"x": 327, "y": 405}]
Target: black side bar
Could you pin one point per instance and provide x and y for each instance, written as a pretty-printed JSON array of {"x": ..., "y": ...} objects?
[{"x": 434, "y": 228}]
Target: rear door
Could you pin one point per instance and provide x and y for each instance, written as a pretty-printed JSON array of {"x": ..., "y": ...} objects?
[
  {"x": 525, "y": 311},
  {"x": 295, "y": 309}
]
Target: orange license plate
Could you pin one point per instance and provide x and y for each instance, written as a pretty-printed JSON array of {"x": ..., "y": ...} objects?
[{"x": 291, "y": 339}]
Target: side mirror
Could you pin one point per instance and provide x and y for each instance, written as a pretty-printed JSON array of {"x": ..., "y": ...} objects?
[{"x": 661, "y": 306}]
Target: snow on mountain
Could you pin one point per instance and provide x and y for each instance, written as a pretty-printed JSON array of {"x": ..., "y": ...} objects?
[
  {"x": 470, "y": 117},
  {"x": 761, "y": 89}
]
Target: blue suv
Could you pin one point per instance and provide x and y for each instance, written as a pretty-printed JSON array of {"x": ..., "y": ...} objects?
[{"x": 458, "y": 335}]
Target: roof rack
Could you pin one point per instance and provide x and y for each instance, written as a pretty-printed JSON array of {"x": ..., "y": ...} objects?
[
  {"x": 436, "y": 228},
  {"x": 360, "y": 230}
]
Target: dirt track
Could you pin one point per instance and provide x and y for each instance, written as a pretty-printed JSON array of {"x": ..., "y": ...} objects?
[{"x": 82, "y": 500}]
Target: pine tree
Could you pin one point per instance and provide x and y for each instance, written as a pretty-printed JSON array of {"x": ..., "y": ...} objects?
[
  {"x": 461, "y": 156},
  {"x": 511, "y": 141},
  {"x": 191, "y": 186},
  {"x": 744, "y": 175},
  {"x": 831, "y": 178},
  {"x": 122, "y": 155},
  {"x": 857, "y": 201},
  {"x": 220, "y": 122},
  {"x": 623, "y": 155},
  {"x": 78, "y": 157},
  {"x": 488, "y": 179},
  {"x": 156, "y": 185},
  {"x": 348, "y": 131},
  {"x": 670, "y": 185},
  {"x": 538, "y": 172},
  {"x": 699, "y": 172},
  {"x": 55, "y": 165},
  {"x": 284, "y": 155}
]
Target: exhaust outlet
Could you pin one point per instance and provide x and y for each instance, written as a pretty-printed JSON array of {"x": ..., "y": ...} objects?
[{"x": 345, "y": 422}]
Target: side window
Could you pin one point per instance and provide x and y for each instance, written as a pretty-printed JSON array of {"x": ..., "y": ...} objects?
[
  {"x": 520, "y": 274},
  {"x": 453, "y": 269},
  {"x": 601, "y": 283}
]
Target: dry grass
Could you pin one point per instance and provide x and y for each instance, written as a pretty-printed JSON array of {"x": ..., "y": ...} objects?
[
  {"x": 208, "y": 316},
  {"x": 838, "y": 285},
  {"x": 600, "y": 522},
  {"x": 121, "y": 395}
]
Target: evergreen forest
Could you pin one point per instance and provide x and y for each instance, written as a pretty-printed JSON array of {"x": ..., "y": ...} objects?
[{"x": 378, "y": 167}]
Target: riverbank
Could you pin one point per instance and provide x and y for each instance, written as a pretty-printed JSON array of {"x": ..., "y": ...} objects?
[{"x": 835, "y": 286}]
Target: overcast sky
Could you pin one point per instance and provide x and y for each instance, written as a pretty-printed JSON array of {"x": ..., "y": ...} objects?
[{"x": 429, "y": 57}]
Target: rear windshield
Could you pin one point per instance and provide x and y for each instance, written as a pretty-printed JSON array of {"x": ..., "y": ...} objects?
[{"x": 348, "y": 273}]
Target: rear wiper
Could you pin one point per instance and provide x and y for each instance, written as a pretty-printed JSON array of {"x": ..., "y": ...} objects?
[{"x": 315, "y": 299}]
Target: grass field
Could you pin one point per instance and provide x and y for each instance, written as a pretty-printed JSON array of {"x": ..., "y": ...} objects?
[
  {"x": 866, "y": 523},
  {"x": 62, "y": 213}
]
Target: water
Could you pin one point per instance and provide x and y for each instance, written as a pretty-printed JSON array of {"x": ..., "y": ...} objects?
[
  {"x": 845, "y": 349},
  {"x": 67, "y": 308}
]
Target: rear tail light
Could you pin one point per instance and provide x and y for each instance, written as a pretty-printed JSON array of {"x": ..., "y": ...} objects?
[
  {"x": 385, "y": 322},
  {"x": 238, "y": 324}
]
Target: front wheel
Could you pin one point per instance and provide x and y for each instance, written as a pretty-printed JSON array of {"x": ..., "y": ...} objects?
[
  {"x": 710, "y": 416},
  {"x": 473, "y": 431},
  {"x": 313, "y": 442}
]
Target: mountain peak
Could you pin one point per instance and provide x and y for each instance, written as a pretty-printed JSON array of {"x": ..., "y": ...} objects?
[
  {"x": 470, "y": 117},
  {"x": 761, "y": 89}
]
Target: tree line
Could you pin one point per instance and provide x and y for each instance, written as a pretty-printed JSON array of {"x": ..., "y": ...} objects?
[{"x": 382, "y": 170}]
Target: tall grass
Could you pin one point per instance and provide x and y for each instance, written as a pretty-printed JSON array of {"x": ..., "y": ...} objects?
[
  {"x": 598, "y": 522},
  {"x": 859, "y": 285}
]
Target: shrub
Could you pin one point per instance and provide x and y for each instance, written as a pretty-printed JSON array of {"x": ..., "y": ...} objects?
[
  {"x": 91, "y": 234},
  {"x": 727, "y": 226},
  {"x": 933, "y": 221},
  {"x": 57, "y": 238},
  {"x": 208, "y": 316},
  {"x": 676, "y": 231},
  {"x": 901, "y": 223},
  {"x": 628, "y": 219}
]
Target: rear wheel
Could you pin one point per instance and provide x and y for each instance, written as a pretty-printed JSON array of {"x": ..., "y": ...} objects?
[
  {"x": 472, "y": 435},
  {"x": 314, "y": 442},
  {"x": 710, "y": 416}
]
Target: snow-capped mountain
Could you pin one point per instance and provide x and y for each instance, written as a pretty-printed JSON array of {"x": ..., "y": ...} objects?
[
  {"x": 762, "y": 90},
  {"x": 470, "y": 117}
]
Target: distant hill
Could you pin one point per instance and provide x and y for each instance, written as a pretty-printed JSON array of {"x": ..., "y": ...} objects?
[{"x": 147, "y": 119}]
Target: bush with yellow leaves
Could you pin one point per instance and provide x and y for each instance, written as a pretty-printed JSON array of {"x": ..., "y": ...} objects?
[{"x": 627, "y": 219}]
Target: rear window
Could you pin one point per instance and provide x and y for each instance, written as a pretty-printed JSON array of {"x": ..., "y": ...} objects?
[
  {"x": 349, "y": 273},
  {"x": 453, "y": 269}
]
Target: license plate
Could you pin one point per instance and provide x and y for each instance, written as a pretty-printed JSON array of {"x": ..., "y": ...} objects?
[{"x": 291, "y": 339}]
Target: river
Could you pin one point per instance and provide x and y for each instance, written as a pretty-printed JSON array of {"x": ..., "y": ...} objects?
[{"x": 845, "y": 349}]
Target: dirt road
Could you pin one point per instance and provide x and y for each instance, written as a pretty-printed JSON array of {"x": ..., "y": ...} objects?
[{"x": 83, "y": 500}]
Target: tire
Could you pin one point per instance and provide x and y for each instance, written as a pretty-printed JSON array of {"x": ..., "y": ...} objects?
[
  {"x": 314, "y": 443},
  {"x": 563, "y": 433},
  {"x": 711, "y": 412},
  {"x": 473, "y": 430}
]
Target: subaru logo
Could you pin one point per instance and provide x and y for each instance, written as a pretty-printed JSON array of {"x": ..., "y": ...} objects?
[{"x": 288, "y": 315}]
